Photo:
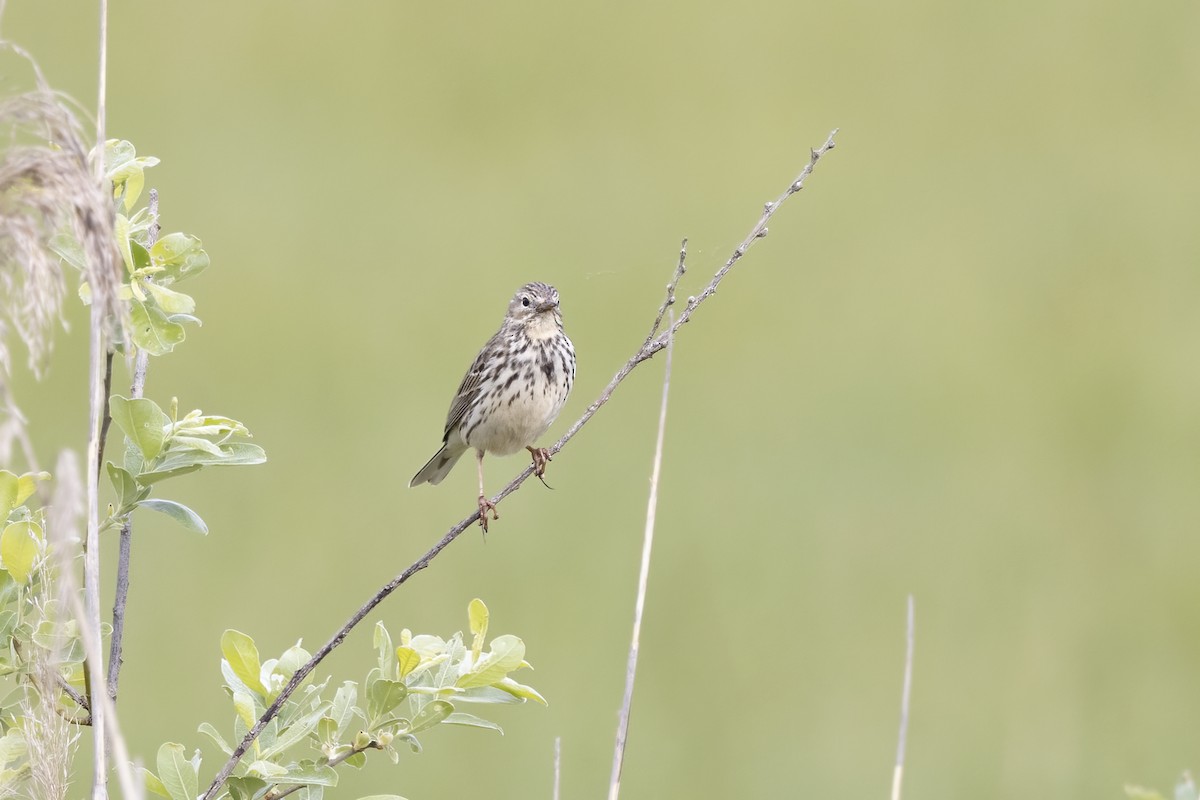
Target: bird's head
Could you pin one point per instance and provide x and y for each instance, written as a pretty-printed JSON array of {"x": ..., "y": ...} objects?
[{"x": 535, "y": 305}]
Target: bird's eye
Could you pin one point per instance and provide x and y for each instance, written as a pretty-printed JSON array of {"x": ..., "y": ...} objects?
[{"x": 525, "y": 302}]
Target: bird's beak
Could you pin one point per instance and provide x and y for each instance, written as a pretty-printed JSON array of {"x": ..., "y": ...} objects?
[{"x": 546, "y": 307}]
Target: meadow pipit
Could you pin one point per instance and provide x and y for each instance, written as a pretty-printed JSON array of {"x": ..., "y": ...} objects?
[{"x": 512, "y": 392}]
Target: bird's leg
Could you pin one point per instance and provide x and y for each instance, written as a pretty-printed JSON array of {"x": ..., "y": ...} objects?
[
  {"x": 485, "y": 505},
  {"x": 541, "y": 457}
]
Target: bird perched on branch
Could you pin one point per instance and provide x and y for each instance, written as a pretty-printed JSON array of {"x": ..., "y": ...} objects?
[{"x": 512, "y": 392}]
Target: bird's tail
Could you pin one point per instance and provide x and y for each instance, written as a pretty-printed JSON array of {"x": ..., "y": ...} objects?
[{"x": 440, "y": 465}]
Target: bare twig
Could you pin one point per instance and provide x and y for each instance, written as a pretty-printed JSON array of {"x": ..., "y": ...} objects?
[
  {"x": 557, "y": 765},
  {"x": 898, "y": 774},
  {"x": 140, "y": 364},
  {"x": 669, "y": 301},
  {"x": 645, "y": 352},
  {"x": 105, "y": 414},
  {"x": 79, "y": 699},
  {"x": 614, "y": 783}
]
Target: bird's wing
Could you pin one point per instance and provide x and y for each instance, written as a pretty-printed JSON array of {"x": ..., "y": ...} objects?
[{"x": 468, "y": 390}]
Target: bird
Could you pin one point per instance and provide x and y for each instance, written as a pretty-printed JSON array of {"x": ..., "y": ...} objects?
[{"x": 511, "y": 394}]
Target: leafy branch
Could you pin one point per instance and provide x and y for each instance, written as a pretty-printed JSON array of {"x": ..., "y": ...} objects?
[
  {"x": 655, "y": 342},
  {"x": 414, "y": 686}
]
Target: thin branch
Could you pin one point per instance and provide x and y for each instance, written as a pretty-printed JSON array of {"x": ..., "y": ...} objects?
[
  {"x": 140, "y": 364},
  {"x": 680, "y": 269},
  {"x": 643, "y": 353},
  {"x": 79, "y": 699},
  {"x": 105, "y": 413},
  {"x": 898, "y": 774},
  {"x": 614, "y": 784},
  {"x": 333, "y": 762}
]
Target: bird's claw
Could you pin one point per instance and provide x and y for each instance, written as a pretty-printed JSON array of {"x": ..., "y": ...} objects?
[
  {"x": 485, "y": 506},
  {"x": 541, "y": 457}
]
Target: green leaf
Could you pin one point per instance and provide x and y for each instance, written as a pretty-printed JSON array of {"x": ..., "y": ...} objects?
[
  {"x": 211, "y": 732},
  {"x": 121, "y": 233},
  {"x": 241, "y": 653},
  {"x": 147, "y": 478},
  {"x": 125, "y": 170},
  {"x": 123, "y": 482},
  {"x": 13, "y": 746},
  {"x": 358, "y": 760},
  {"x": 327, "y": 731},
  {"x": 152, "y": 331},
  {"x": 20, "y": 545},
  {"x": 381, "y": 797},
  {"x": 308, "y": 772},
  {"x": 141, "y": 256},
  {"x": 180, "y": 256},
  {"x": 189, "y": 519},
  {"x": 520, "y": 690},
  {"x": 267, "y": 769},
  {"x": 9, "y": 588},
  {"x": 506, "y": 655},
  {"x": 232, "y": 454},
  {"x": 342, "y": 711},
  {"x": 169, "y": 300},
  {"x": 433, "y": 713},
  {"x": 459, "y": 718},
  {"x": 180, "y": 442},
  {"x": 153, "y": 784},
  {"x": 61, "y": 639},
  {"x": 293, "y": 735},
  {"x": 27, "y": 485},
  {"x": 477, "y": 613},
  {"x": 245, "y": 788},
  {"x": 66, "y": 247},
  {"x": 486, "y": 695},
  {"x": 408, "y": 659},
  {"x": 133, "y": 188},
  {"x": 142, "y": 421},
  {"x": 8, "y": 623},
  {"x": 118, "y": 153},
  {"x": 382, "y": 641},
  {"x": 384, "y": 695},
  {"x": 292, "y": 659},
  {"x": 9, "y": 487},
  {"x": 176, "y": 772}
]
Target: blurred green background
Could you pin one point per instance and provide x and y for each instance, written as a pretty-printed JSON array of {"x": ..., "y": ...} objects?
[{"x": 963, "y": 365}]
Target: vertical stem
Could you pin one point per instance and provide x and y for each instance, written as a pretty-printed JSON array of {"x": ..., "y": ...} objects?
[
  {"x": 121, "y": 599},
  {"x": 91, "y": 555},
  {"x": 898, "y": 773},
  {"x": 557, "y": 764},
  {"x": 614, "y": 785}
]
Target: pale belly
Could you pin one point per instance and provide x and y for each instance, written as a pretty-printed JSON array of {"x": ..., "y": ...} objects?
[{"x": 515, "y": 416}]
